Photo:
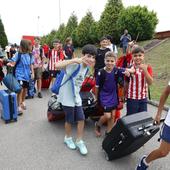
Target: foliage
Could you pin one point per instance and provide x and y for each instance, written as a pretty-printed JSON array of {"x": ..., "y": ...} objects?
[
  {"x": 86, "y": 31},
  {"x": 71, "y": 27},
  {"x": 3, "y": 37},
  {"x": 107, "y": 23},
  {"x": 138, "y": 20}
]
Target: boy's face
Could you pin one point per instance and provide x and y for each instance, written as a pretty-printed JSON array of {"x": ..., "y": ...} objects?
[
  {"x": 138, "y": 58},
  {"x": 103, "y": 43},
  {"x": 56, "y": 45},
  {"x": 109, "y": 62},
  {"x": 89, "y": 60}
]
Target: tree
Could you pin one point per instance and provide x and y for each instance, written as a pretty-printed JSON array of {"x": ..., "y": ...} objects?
[
  {"x": 107, "y": 23},
  {"x": 139, "y": 21},
  {"x": 86, "y": 31},
  {"x": 3, "y": 37},
  {"x": 71, "y": 26},
  {"x": 60, "y": 33}
]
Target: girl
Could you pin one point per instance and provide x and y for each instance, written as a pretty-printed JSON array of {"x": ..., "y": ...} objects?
[{"x": 23, "y": 62}]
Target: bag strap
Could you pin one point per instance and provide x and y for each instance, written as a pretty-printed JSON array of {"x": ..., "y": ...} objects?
[{"x": 72, "y": 75}]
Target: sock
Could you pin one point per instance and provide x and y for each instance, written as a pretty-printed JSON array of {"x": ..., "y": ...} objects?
[{"x": 144, "y": 161}]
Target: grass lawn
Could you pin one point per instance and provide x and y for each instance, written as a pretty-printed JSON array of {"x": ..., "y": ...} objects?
[{"x": 159, "y": 58}]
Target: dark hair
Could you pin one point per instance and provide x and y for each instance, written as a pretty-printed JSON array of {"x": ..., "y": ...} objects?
[
  {"x": 25, "y": 46},
  {"x": 103, "y": 38},
  {"x": 109, "y": 37},
  {"x": 56, "y": 41},
  {"x": 89, "y": 49},
  {"x": 110, "y": 54},
  {"x": 138, "y": 49}
]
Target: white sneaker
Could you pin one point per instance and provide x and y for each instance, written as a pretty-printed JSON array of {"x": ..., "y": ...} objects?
[
  {"x": 82, "y": 147},
  {"x": 69, "y": 142}
]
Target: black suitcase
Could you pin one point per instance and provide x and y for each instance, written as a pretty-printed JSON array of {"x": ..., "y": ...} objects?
[
  {"x": 89, "y": 103},
  {"x": 128, "y": 135}
]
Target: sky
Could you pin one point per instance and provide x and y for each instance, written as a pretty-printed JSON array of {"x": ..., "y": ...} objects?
[{"x": 37, "y": 17}]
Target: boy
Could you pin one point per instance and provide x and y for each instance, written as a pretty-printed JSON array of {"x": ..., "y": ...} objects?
[
  {"x": 101, "y": 54},
  {"x": 106, "y": 91},
  {"x": 38, "y": 64},
  {"x": 70, "y": 98},
  {"x": 164, "y": 147},
  {"x": 110, "y": 45},
  {"x": 55, "y": 55},
  {"x": 138, "y": 83}
]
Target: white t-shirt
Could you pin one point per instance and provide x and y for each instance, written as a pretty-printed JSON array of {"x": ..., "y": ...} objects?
[
  {"x": 167, "y": 120},
  {"x": 66, "y": 95},
  {"x": 111, "y": 48}
]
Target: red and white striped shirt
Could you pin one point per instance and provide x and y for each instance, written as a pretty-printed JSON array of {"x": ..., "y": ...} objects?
[
  {"x": 138, "y": 87},
  {"x": 54, "y": 57}
]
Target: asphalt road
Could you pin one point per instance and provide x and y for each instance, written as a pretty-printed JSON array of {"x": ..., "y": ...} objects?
[{"x": 35, "y": 144}]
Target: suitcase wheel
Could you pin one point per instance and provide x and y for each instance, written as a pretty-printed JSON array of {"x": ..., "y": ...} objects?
[{"x": 106, "y": 155}]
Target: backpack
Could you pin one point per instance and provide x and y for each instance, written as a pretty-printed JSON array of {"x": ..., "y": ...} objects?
[
  {"x": 53, "y": 104},
  {"x": 58, "y": 82}
]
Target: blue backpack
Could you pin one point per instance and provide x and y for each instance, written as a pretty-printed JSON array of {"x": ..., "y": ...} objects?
[{"x": 58, "y": 82}]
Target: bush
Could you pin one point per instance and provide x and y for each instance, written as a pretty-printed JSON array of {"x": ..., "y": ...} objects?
[{"x": 138, "y": 20}]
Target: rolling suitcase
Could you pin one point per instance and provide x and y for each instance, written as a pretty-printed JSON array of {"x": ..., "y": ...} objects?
[
  {"x": 8, "y": 106},
  {"x": 128, "y": 135}
]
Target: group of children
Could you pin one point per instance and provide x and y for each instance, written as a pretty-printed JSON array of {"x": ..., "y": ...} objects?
[{"x": 136, "y": 73}]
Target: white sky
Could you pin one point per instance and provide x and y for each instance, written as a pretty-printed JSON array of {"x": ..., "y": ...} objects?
[{"x": 21, "y": 17}]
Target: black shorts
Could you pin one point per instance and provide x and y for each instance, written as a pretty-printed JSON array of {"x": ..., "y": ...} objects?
[
  {"x": 109, "y": 109},
  {"x": 24, "y": 84}
]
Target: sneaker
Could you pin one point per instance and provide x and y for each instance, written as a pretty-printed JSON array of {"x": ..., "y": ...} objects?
[
  {"x": 23, "y": 106},
  {"x": 69, "y": 142},
  {"x": 81, "y": 147},
  {"x": 142, "y": 165},
  {"x": 39, "y": 95},
  {"x": 29, "y": 97},
  {"x": 97, "y": 130},
  {"x": 20, "y": 111}
]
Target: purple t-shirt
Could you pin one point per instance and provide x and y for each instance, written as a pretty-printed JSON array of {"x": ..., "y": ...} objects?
[{"x": 108, "y": 92}]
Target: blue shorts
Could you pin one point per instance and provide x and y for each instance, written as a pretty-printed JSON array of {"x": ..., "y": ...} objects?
[
  {"x": 136, "y": 106},
  {"x": 165, "y": 134},
  {"x": 73, "y": 114}
]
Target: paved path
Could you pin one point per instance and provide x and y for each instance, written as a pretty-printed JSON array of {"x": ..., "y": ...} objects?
[{"x": 35, "y": 144}]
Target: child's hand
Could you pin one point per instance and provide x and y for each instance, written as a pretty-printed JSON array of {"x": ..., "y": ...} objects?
[
  {"x": 126, "y": 73},
  {"x": 130, "y": 70},
  {"x": 157, "y": 118},
  {"x": 10, "y": 64},
  {"x": 143, "y": 67}
]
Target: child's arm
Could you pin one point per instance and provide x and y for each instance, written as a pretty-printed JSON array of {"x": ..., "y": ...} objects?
[
  {"x": 96, "y": 92},
  {"x": 32, "y": 71},
  {"x": 64, "y": 63},
  {"x": 162, "y": 101},
  {"x": 149, "y": 78}
]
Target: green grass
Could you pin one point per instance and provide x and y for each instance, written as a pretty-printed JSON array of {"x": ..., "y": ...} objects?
[{"x": 159, "y": 58}]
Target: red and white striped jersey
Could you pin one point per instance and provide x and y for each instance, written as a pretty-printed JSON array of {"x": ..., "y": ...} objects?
[
  {"x": 138, "y": 87},
  {"x": 54, "y": 57}
]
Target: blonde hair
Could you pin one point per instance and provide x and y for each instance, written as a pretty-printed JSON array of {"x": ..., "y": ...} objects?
[{"x": 110, "y": 54}]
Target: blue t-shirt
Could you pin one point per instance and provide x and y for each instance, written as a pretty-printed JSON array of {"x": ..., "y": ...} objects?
[
  {"x": 23, "y": 68},
  {"x": 108, "y": 92}
]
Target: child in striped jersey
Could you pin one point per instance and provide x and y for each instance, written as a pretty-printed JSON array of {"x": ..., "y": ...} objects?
[
  {"x": 138, "y": 83},
  {"x": 55, "y": 55}
]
